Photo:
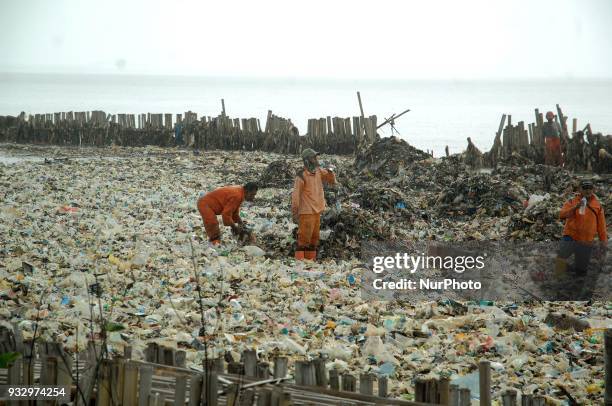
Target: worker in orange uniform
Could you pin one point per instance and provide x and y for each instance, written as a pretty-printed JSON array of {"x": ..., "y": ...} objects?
[
  {"x": 308, "y": 202},
  {"x": 584, "y": 218},
  {"x": 225, "y": 201},
  {"x": 552, "y": 138}
]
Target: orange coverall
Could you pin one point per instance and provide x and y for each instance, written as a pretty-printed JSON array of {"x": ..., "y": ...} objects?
[
  {"x": 307, "y": 203},
  {"x": 580, "y": 230},
  {"x": 584, "y": 227},
  {"x": 224, "y": 201},
  {"x": 552, "y": 154}
]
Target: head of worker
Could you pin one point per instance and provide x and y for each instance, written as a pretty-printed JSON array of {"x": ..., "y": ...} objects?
[
  {"x": 310, "y": 158},
  {"x": 550, "y": 116},
  {"x": 586, "y": 188},
  {"x": 250, "y": 190}
]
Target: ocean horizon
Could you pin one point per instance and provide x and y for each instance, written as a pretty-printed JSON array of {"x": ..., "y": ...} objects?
[{"x": 443, "y": 112}]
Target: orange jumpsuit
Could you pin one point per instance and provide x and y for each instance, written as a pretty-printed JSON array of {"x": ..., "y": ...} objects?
[
  {"x": 580, "y": 230},
  {"x": 224, "y": 201},
  {"x": 584, "y": 227},
  {"x": 307, "y": 203}
]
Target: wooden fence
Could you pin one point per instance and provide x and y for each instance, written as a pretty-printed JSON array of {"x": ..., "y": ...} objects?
[
  {"x": 162, "y": 379},
  {"x": 98, "y": 128},
  {"x": 528, "y": 141}
]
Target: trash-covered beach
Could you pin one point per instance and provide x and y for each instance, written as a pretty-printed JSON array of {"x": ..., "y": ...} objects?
[{"x": 114, "y": 232}]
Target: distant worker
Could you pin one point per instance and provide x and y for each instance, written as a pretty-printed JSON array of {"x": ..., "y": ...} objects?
[
  {"x": 584, "y": 218},
  {"x": 178, "y": 134},
  {"x": 552, "y": 138},
  {"x": 225, "y": 201},
  {"x": 307, "y": 203}
]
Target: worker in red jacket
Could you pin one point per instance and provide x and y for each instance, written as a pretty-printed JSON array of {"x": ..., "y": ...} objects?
[
  {"x": 225, "y": 201},
  {"x": 552, "y": 138},
  {"x": 584, "y": 219}
]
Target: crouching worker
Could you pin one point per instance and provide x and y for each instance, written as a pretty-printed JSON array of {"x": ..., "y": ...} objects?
[
  {"x": 307, "y": 203},
  {"x": 225, "y": 201},
  {"x": 584, "y": 218}
]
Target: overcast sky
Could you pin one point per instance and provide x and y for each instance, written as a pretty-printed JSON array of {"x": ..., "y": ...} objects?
[{"x": 315, "y": 38}]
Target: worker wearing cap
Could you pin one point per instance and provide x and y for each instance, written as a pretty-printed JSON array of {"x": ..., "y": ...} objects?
[
  {"x": 552, "y": 140},
  {"x": 584, "y": 218},
  {"x": 307, "y": 203},
  {"x": 224, "y": 201}
]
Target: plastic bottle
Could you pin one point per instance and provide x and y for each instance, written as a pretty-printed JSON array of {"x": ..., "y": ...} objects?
[{"x": 583, "y": 204}]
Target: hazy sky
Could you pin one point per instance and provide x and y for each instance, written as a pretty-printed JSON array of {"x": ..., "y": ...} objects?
[{"x": 315, "y": 38}]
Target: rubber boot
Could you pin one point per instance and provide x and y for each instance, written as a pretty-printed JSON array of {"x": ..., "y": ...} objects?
[
  {"x": 560, "y": 268},
  {"x": 310, "y": 255},
  {"x": 299, "y": 255}
]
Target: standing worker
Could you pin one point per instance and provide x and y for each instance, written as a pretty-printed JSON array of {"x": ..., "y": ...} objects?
[
  {"x": 552, "y": 138},
  {"x": 584, "y": 218},
  {"x": 225, "y": 201},
  {"x": 308, "y": 202}
]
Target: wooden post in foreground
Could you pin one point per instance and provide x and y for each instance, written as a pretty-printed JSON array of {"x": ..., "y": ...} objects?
[
  {"x": 484, "y": 368},
  {"x": 608, "y": 363}
]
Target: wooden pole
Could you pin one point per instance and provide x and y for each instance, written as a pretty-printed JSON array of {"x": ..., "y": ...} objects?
[
  {"x": 334, "y": 379},
  {"x": 360, "y": 105},
  {"x": 130, "y": 376},
  {"x": 103, "y": 396},
  {"x": 144, "y": 386},
  {"x": 348, "y": 383},
  {"x": 509, "y": 398},
  {"x": 444, "y": 390},
  {"x": 223, "y": 107},
  {"x": 366, "y": 384},
  {"x": 527, "y": 400},
  {"x": 249, "y": 357},
  {"x": 608, "y": 366},
  {"x": 383, "y": 386},
  {"x": 484, "y": 368},
  {"x": 320, "y": 372},
  {"x": 453, "y": 395},
  {"x": 465, "y": 398},
  {"x": 280, "y": 367}
]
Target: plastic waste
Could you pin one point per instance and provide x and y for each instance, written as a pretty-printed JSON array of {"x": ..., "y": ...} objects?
[
  {"x": 254, "y": 251},
  {"x": 583, "y": 204},
  {"x": 535, "y": 199}
]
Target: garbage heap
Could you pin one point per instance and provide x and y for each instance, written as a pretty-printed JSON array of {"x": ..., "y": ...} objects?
[
  {"x": 118, "y": 225},
  {"x": 387, "y": 157},
  {"x": 479, "y": 194},
  {"x": 279, "y": 174}
]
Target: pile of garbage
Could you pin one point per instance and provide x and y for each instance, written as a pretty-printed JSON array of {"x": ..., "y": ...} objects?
[
  {"x": 539, "y": 221},
  {"x": 279, "y": 174},
  {"x": 345, "y": 227},
  {"x": 480, "y": 193},
  {"x": 387, "y": 157},
  {"x": 380, "y": 199},
  {"x": 116, "y": 224}
]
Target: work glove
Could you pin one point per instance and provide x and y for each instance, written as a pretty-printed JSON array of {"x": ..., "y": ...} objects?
[{"x": 236, "y": 229}]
